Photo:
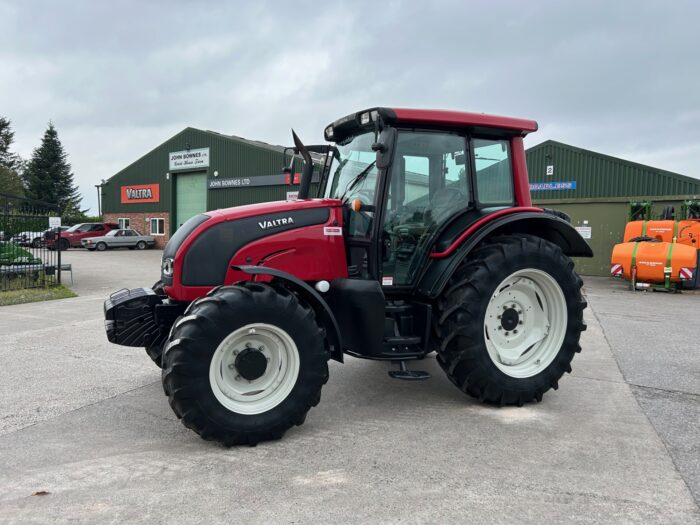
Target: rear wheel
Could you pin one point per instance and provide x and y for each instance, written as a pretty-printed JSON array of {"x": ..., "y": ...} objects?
[
  {"x": 140, "y": 245},
  {"x": 63, "y": 244},
  {"x": 510, "y": 320},
  {"x": 245, "y": 364}
]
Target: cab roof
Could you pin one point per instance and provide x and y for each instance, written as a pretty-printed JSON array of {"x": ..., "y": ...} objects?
[{"x": 440, "y": 118}]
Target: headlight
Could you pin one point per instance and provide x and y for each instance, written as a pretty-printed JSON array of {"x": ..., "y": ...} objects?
[{"x": 167, "y": 267}]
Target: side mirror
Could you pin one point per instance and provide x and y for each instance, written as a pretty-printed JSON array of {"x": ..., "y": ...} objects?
[{"x": 385, "y": 147}]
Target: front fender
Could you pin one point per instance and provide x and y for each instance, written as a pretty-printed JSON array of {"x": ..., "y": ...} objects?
[
  {"x": 544, "y": 225},
  {"x": 317, "y": 302}
]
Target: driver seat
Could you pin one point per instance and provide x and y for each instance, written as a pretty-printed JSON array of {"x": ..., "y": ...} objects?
[{"x": 443, "y": 203}]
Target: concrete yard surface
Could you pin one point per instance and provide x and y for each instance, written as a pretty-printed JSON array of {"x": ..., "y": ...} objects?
[{"x": 88, "y": 423}]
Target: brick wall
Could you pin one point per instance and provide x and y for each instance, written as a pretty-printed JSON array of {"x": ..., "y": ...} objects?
[{"x": 139, "y": 222}]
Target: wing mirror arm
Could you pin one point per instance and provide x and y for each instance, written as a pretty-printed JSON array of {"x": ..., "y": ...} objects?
[{"x": 308, "y": 169}]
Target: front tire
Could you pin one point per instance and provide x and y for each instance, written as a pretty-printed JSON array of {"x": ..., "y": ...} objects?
[
  {"x": 245, "y": 364},
  {"x": 510, "y": 319},
  {"x": 101, "y": 247}
]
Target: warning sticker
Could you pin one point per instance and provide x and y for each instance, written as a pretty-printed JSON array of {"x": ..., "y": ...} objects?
[
  {"x": 387, "y": 281},
  {"x": 332, "y": 230}
]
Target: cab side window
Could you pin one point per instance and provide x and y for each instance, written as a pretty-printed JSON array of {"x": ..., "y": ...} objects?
[{"x": 494, "y": 174}]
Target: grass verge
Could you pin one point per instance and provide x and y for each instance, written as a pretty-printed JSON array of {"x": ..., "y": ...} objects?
[{"x": 33, "y": 295}]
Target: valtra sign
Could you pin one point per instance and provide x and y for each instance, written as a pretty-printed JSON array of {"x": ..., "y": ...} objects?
[{"x": 140, "y": 193}]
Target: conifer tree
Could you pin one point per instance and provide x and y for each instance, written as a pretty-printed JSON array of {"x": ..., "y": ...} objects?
[{"x": 48, "y": 175}]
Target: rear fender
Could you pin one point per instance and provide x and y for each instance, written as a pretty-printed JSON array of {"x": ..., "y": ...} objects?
[
  {"x": 323, "y": 311},
  {"x": 544, "y": 225}
]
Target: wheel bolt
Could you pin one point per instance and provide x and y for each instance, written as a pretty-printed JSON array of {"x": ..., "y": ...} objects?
[
  {"x": 248, "y": 345},
  {"x": 520, "y": 322},
  {"x": 500, "y": 328},
  {"x": 507, "y": 334},
  {"x": 520, "y": 311},
  {"x": 515, "y": 331},
  {"x": 261, "y": 348},
  {"x": 513, "y": 307},
  {"x": 231, "y": 366},
  {"x": 237, "y": 378},
  {"x": 498, "y": 317}
]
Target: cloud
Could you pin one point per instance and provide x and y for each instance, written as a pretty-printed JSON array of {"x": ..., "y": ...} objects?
[{"x": 120, "y": 78}]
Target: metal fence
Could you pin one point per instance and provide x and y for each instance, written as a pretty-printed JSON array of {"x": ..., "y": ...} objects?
[{"x": 25, "y": 259}]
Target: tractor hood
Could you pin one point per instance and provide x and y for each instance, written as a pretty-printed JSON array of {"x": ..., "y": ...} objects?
[{"x": 199, "y": 252}]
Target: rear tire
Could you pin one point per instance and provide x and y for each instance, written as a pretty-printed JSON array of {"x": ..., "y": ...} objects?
[
  {"x": 203, "y": 380},
  {"x": 63, "y": 245},
  {"x": 514, "y": 357},
  {"x": 140, "y": 245}
]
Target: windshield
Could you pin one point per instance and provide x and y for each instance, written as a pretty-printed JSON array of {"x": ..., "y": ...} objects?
[{"x": 353, "y": 174}]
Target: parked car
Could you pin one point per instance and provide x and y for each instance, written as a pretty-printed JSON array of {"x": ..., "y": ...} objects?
[
  {"x": 126, "y": 238},
  {"x": 28, "y": 238},
  {"x": 72, "y": 236}
]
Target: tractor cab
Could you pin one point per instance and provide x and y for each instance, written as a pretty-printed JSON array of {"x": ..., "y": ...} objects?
[{"x": 402, "y": 185}]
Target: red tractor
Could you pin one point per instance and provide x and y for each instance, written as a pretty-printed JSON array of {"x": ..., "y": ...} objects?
[{"x": 422, "y": 239}]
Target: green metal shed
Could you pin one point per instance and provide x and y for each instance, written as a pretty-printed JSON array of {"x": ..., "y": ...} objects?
[
  {"x": 192, "y": 172},
  {"x": 596, "y": 189}
]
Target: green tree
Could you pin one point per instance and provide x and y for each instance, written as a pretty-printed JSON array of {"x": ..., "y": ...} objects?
[
  {"x": 10, "y": 182},
  {"x": 48, "y": 175},
  {"x": 8, "y": 159}
]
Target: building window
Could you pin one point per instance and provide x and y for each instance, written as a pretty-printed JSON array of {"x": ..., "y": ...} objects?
[
  {"x": 157, "y": 226},
  {"x": 124, "y": 223}
]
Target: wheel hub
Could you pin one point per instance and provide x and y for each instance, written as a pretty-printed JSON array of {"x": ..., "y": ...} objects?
[
  {"x": 250, "y": 364},
  {"x": 510, "y": 319},
  {"x": 525, "y": 323}
]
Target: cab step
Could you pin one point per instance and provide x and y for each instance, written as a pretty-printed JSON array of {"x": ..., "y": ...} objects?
[{"x": 408, "y": 375}]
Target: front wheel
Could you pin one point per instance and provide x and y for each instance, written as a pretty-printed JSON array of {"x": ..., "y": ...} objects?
[
  {"x": 510, "y": 320},
  {"x": 245, "y": 364},
  {"x": 101, "y": 246}
]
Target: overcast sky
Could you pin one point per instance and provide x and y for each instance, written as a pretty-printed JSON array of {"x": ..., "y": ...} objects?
[{"x": 119, "y": 78}]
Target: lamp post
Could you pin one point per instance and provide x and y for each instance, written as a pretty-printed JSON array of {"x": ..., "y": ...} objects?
[{"x": 99, "y": 197}]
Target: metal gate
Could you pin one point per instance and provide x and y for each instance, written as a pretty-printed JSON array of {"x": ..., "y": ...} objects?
[{"x": 25, "y": 260}]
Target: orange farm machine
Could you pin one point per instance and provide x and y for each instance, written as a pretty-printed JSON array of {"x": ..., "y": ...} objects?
[{"x": 661, "y": 254}]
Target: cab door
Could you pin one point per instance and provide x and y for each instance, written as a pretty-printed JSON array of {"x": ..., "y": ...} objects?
[{"x": 428, "y": 184}]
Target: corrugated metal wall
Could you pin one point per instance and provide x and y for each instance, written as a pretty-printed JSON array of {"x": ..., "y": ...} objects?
[{"x": 598, "y": 175}]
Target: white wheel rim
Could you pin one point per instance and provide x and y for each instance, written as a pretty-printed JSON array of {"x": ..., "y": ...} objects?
[
  {"x": 272, "y": 387},
  {"x": 528, "y": 347}
]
